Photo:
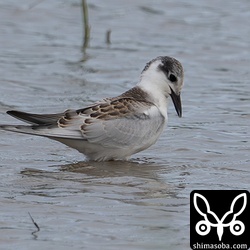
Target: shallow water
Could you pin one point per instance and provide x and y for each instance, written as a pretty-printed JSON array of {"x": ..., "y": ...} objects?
[{"x": 143, "y": 203}]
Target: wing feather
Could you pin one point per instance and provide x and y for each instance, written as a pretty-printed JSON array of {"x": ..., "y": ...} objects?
[
  {"x": 35, "y": 118},
  {"x": 114, "y": 122}
]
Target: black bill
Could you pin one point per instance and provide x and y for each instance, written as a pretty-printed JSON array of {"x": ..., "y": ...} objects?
[{"x": 177, "y": 102}]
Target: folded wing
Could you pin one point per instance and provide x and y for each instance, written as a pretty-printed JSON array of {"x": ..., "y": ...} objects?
[{"x": 115, "y": 123}]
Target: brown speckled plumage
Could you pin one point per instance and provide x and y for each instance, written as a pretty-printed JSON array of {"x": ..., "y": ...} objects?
[{"x": 118, "y": 107}]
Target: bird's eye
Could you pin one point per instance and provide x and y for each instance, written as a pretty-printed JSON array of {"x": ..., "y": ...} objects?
[{"x": 172, "y": 78}]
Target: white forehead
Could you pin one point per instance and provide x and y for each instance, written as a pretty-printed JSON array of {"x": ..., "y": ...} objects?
[{"x": 152, "y": 64}]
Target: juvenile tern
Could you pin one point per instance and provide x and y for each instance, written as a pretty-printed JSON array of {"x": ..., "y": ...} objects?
[{"x": 114, "y": 128}]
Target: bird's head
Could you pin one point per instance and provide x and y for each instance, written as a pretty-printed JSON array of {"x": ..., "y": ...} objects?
[{"x": 163, "y": 76}]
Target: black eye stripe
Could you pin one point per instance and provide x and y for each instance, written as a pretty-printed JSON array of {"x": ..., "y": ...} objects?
[{"x": 172, "y": 78}]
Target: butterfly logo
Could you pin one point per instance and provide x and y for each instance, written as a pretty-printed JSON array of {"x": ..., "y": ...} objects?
[{"x": 203, "y": 227}]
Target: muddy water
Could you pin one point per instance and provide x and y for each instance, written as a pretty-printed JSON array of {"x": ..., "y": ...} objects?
[{"x": 143, "y": 203}]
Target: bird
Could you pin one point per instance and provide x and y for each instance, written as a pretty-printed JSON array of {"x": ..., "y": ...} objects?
[{"x": 114, "y": 128}]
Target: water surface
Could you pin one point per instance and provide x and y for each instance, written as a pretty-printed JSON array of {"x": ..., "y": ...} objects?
[{"x": 143, "y": 203}]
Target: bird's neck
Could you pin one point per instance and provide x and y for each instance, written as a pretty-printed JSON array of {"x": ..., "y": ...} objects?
[{"x": 155, "y": 95}]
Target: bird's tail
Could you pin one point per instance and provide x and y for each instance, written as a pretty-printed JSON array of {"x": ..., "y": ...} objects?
[
  {"x": 23, "y": 129},
  {"x": 43, "y": 125}
]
